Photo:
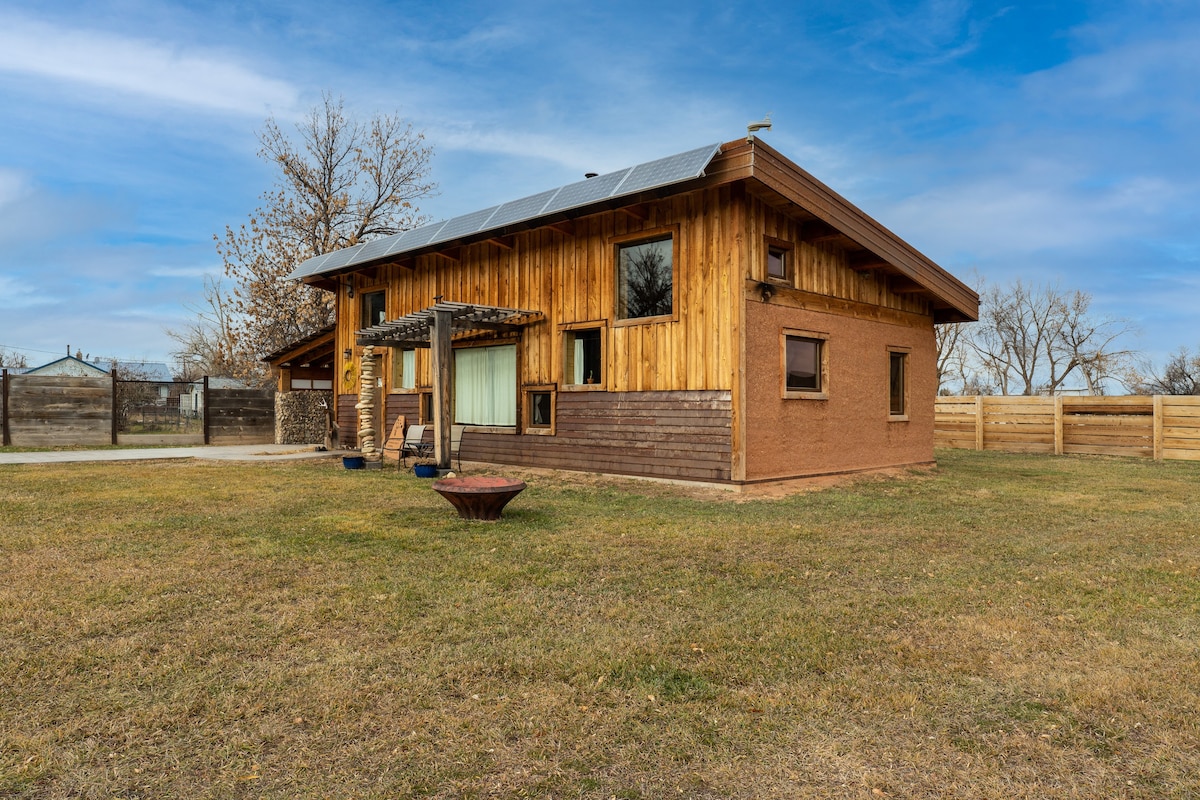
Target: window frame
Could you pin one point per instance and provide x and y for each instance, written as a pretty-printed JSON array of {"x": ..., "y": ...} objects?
[
  {"x": 822, "y": 340},
  {"x": 894, "y": 351},
  {"x": 788, "y": 251},
  {"x": 396, "y": 385},
  {"x": 527, "y": 411},
  {"x": 634, "y": 239},
  {"x": 518, "y": 396},
  {"x": 362, "y": 304},
  {"x": 568, "y": 332}
]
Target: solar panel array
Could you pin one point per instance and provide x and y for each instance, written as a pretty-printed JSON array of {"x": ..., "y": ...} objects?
[{"x": 624, "y": 182}]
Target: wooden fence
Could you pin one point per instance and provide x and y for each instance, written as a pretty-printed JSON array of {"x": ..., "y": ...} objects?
[
  {"x": 1158, "y": 427},
  {"x": 60, "y": 411}
]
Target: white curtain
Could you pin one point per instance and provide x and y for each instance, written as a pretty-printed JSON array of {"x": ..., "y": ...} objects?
[
  {"x": 485, "y": 385},
  {"x": 408, "y": 369},
  {"x": 578, "y": 360}
]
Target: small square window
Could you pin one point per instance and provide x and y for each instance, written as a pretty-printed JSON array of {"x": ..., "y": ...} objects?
[
  {"x": 541, "y": 409},
  {"x": 777, "y": 262},
  {"x": 374, "y": 309},
  {"x": 583, "y": 357},
  {"x": 803, "y": 363},
  {"x": 897, "y": 367}
]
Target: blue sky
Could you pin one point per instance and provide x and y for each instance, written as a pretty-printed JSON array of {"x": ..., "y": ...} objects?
[{"x": 1048, "y": 141}]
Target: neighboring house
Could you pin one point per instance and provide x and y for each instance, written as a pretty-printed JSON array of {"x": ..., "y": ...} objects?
[
  {"x": 719, "y": 315},
  {"x": 69, "y": 366}
]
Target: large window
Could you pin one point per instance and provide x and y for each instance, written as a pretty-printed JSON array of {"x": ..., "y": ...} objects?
[
  {"x": 485, "y": 385},
  {"x": 645, "y": 278},
  {"x": 583, "y": 352},
  {"x": 803, "y": 366},
  {"x": 374, "y": 309}
]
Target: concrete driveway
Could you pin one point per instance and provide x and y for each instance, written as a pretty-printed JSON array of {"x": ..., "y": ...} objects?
[{"x": 232, "y": 452}]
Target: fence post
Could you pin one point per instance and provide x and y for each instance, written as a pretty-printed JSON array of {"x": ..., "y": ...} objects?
[
  {"x": 1158, "y": 427},
  {"x": 1058, "y": 425},
  {"x": 206, "y": 409},
  {"x": 978, "y": 422},
  {"x": 112, "y": 375},
  {"x": 5, "y": 438}
]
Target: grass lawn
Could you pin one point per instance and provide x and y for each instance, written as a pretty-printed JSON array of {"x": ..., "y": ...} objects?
[{"x": 1004, "y": 627}]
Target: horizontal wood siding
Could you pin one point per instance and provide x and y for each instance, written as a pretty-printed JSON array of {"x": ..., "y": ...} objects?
[
  {"x": 48, "y": 411},
  {"x": 683, "y": 435},
  {"x": 347, "y": 420},
  {"x": 1138, "y": 426},
  {"x": 1180, "y": 429},
  {"x": 240, "y": 416}
]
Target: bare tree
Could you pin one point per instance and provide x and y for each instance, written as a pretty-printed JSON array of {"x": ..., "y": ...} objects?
[
  {"x": 1180, "y": 375},
  {"x": 1031, "y": 339},
  {"x": 10, "y": 359},
  {"x": 208, "y": 343},
  {"x": 340, "y": 182}
]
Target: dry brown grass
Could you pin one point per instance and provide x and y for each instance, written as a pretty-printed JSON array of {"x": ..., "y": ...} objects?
[{"x": 1005, "y": 627}]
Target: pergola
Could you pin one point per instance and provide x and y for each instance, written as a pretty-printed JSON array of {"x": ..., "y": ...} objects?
[{"x": 435, "y": 327}]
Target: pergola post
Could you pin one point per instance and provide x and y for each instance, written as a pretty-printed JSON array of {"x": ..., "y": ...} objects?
[{"x": 439, "y": 342}]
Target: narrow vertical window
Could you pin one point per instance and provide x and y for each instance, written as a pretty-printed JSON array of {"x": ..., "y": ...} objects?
[
  {"x": 541, "y": 409},
  {"x": 897, "y": 367},
  {"x": 404, "y": 369}
]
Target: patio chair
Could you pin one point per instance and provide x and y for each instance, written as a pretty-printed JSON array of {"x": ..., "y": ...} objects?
[{"x": 414, "y": 444}]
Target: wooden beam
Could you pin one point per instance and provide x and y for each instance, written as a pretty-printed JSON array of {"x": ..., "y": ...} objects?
[
  {"x": 503, "y": 242},
  {"x": 638, "y": 212},
  {"x": 866, "y": 261},
  {"x": 900, "y": 285},
  {"x": 454, "y": 254},
  {"x": 566, "y": 227},
  {"x": 442, "y": 352}
]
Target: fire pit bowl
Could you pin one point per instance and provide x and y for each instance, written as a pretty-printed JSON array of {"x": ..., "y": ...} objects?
[{"x": 480, "y": 497}]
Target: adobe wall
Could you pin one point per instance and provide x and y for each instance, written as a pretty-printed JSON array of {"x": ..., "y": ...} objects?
[{"x": 849, "y": 431}]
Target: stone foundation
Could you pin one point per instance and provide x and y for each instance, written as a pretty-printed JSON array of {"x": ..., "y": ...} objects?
[{"x": 300, "y": 416}]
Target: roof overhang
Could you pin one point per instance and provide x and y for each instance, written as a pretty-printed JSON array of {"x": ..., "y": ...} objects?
[
  {"x": 305, "y": 350},
  {"x": 413, "y": 330}
]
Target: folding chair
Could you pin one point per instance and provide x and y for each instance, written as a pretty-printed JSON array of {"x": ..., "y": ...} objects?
[{"x": 414, "y": 444}]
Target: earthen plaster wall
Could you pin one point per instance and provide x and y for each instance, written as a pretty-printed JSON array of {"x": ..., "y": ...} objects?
[{"x": 850, "y": 430}]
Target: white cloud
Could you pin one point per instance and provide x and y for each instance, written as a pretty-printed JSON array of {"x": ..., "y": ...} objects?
[{"x": 180, "y": 76}]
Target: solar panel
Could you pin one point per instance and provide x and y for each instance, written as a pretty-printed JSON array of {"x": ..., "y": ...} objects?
[
  {"x": 374, "y": 249},
  {"x": 340, "y": 258},
  {"x": 651, "y": 175},
  {"x": 464, "y": 225},
  {"x": 666, "y": 171},
  {"x": 419, "y": 237},
  {"x": 591, "y": 190},
  {"x": 398, "y": 242},
  {"x": 519, "y": 210}
]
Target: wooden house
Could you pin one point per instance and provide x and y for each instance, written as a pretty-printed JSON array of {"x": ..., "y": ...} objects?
[{"x": 719, "y": 315}]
